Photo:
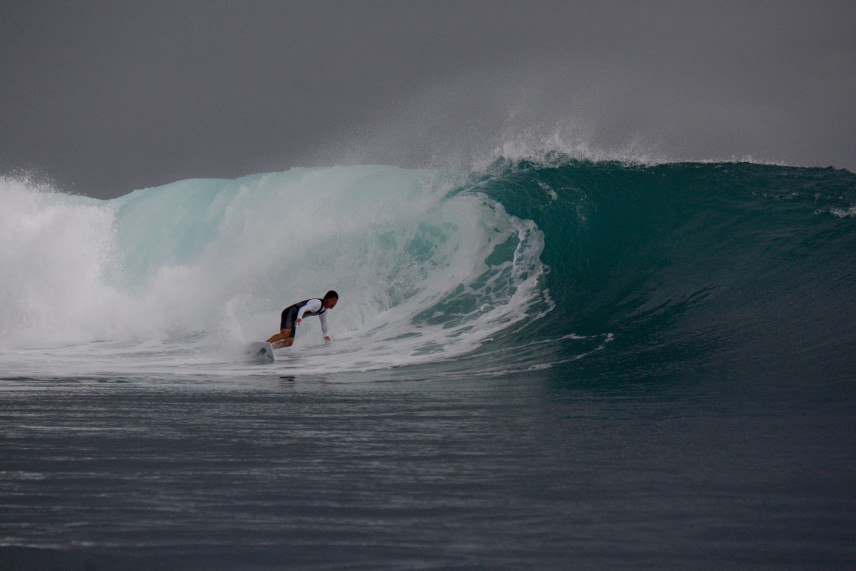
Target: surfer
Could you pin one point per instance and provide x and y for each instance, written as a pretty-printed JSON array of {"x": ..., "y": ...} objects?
[{"x": 293, "y": 315}]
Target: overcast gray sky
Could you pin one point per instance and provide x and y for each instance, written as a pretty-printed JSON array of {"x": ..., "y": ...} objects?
[{"x": 104, "y": 97}]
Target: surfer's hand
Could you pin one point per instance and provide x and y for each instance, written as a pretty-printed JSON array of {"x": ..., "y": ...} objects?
[
  {"x": 298, "y": 321},
  {"x": 326, "y": 339}
]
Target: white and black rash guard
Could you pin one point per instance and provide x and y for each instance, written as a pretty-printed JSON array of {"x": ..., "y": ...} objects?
[{"x": 314, "y": 307}]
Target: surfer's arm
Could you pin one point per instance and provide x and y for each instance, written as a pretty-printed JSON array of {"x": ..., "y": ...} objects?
[
  {"x": 313, "y": 305},
  {"x": 323, "y": 319}
]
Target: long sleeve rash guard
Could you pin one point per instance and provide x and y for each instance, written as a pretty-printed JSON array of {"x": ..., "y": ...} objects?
[{"x": 315, "y": 307}]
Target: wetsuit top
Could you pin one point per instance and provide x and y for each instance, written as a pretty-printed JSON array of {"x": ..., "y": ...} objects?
[{"x": 313, "y": 307}]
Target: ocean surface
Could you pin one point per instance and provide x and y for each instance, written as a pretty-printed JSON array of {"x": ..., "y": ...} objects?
[{"x": 536, "y": 364}]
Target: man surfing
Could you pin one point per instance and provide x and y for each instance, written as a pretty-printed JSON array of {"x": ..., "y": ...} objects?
[{"x": 293, "y": 315}]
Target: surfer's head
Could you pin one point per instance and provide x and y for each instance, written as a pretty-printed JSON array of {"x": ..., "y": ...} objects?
[{"x": 330, "y": 299}]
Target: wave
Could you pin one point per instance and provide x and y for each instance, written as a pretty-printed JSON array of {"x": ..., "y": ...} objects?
[{"x": 519, "y": 265}]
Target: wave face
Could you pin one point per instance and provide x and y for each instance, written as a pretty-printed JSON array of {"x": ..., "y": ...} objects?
[{"x": 589, "y": 267}]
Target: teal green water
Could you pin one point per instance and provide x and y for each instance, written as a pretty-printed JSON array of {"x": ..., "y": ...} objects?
[{"x": 732, "y": 271}]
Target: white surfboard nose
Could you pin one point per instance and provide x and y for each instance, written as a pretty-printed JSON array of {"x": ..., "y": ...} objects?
[{"x": 260, "y": 350}]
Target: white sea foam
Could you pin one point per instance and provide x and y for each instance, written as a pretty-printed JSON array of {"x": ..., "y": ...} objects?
[{"x": 183, "y": 275}]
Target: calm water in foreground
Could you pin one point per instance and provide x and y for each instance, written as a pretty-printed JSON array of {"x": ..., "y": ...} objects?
[{"x": 539, "y": 471}]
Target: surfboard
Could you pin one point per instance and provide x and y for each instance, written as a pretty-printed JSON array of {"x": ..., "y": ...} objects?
[{"x": 260, "y": 351}]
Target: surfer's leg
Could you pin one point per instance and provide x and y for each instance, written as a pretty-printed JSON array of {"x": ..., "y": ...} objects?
[
  {"x": 281, "y": 339},
  {"x": 286, "y": 341},
  {"x": 285, "y": 337}
]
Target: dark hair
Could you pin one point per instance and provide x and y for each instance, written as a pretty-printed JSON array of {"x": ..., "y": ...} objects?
[{"x": 331, "y": 294}]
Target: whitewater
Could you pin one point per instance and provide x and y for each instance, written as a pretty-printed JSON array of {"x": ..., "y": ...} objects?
[
  {"x": 206, "y": 265},
  {"x": 542, "y": 362}
]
